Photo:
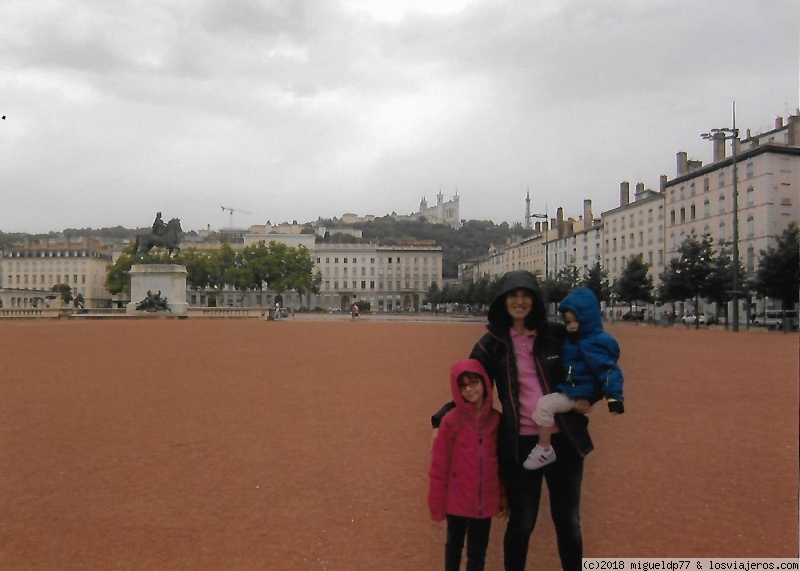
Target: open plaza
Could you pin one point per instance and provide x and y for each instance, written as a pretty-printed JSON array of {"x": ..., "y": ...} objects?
[{"x": 304, "y": 444}]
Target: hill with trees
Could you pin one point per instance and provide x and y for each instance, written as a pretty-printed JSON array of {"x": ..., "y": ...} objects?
[{"x": 470, "y": 241}]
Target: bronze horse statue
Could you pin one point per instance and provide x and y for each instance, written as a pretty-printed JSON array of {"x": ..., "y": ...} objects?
[{"x": 170, "y": 240}]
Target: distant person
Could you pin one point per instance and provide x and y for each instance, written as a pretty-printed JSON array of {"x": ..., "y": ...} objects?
[
  {"x": 589, "y": 358},
  {"x": 277, "y": 311},
  {"x": 464, "y": 474}
]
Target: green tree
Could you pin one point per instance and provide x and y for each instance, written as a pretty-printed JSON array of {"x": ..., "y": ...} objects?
[
  {"x": 570, "y": 276},
  {"x": 254, "y": 265},
  {"x": 718, "y": 288},
  {"x": 199, "y": 266},
  {"x": 117, "y": 277},
  {"x": 687, "y": 277},
  {"x": 433, "y": 295},
  {"x": 779, "y": 269},
  {"x": 300, "y": 275},
  {"x": 274, "y": 266},
  {"x": 672, "y": 285},
  {"x": 634, "y": 283},
  {"x": 554, "y": 290},
  {"x": 597, "y": 280},
  {"x": 222, "y": 267}
]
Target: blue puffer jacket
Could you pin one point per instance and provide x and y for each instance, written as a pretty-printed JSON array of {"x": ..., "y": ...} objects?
[{"x": 589, "y": 357}]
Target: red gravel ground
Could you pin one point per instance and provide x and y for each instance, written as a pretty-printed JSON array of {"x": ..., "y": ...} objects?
[{"x": 304, "y": 445}]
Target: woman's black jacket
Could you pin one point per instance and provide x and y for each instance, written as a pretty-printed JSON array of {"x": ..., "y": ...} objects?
[{"x": 495, "y": 350}]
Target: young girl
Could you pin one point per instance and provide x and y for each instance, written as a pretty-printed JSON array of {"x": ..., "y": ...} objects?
[{"x": 464, "y": 478}]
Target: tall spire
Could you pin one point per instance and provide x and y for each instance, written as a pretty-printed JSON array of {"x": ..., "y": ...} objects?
[{"x": 528, "y": 209}]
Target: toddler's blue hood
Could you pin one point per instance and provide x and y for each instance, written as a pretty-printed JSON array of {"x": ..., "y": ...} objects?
[{"x": 583, "y": 303}]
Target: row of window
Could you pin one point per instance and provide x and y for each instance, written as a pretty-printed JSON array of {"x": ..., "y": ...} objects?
[
  {"x": 639, "y": 244},
  {"x": 750, "y": 260},
  {"x": 397, "y": 260},
  {"x": 54, "y": 254},
  {"x": 354, "y": 285},
  {"x": 722, "y": 208},
  {"x": 380, "y": 272},
  {"x": 612, "y": 262},
  {"x": 25, "y": 279},
  {"x": 749, "y": 173},
  {"x": 641, "y": 219}
]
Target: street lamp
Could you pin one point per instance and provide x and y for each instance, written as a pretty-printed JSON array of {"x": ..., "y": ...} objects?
[
  {"x": 545, "y": 239},
  {"x": 732, "y": 134}
]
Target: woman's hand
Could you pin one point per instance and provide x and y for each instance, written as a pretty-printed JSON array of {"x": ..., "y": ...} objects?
[{"x": 582, "y": 406}]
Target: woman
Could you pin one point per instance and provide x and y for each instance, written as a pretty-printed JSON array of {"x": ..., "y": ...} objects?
[{"x": 521, "y": 352}]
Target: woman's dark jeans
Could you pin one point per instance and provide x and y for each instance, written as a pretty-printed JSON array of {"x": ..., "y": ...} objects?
[
  {"x": 524, "y": 489},
  {"x": 477, "y": 533}
]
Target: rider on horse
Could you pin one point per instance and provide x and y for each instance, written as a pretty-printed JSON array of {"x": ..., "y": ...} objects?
[{"x": 159, "y": 226}]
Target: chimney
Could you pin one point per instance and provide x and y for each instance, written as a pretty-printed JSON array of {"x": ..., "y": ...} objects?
[
  {"x": 793, "y": 131},
  {"x": 778, "y": 122},
  {"x": 683, "y": 167},
  {"x": 624, "y": 193},
  {"x": 662, "y": 183},
  {"x": 719, "y": 147},
  {"x": 587, "y": 213},
  {"x": 693, "y": 165},
  {"x": 560, "y": 221},
  {"x": 639, "y": 190}
]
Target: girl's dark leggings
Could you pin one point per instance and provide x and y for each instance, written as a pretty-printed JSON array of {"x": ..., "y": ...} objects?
[
  {"x": 524, "y": 489},
  {"x": 476, "y": 532}
]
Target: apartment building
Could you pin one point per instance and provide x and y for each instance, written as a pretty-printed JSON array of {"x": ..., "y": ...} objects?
[
  {"x": 634, "y": 228},
  {"x": 555, "y": 244},
  {"x": 700, "y": 198},
  {"x": 30, "y": 270},
  {"x": 576, "y": 242}
]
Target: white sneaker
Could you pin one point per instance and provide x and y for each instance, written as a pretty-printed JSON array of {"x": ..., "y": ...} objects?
[{"x": 539, "y": 457}]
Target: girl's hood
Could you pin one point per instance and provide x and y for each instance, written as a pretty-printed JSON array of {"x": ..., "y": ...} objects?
[{"x": 469, "y": 366}]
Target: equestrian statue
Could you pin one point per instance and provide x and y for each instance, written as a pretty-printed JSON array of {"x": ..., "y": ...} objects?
[{"x": 163, "y": 235}]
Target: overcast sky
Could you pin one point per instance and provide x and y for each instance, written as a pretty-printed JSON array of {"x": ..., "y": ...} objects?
[{"x": 297, "y": 109}]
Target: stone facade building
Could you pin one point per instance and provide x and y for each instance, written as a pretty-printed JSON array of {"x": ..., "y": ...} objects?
[
  {"x": 30, "y": 270},
  {"x": 390, "y": 278}
]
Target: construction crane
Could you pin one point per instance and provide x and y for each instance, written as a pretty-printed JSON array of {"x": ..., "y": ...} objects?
[{"x": 232, "y": 210}]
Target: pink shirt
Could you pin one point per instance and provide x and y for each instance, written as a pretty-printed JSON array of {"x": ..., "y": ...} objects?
[{"x": 530, "y": 390}]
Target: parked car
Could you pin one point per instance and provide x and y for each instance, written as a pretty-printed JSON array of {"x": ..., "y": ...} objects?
[
  {"x": 634, "y": 315},
  {"x": 773, "y": 319},
  {"x": 702, "y": 319}
]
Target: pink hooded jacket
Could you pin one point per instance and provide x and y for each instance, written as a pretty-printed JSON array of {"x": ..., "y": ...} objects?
[{"x": 464, "y": 475}]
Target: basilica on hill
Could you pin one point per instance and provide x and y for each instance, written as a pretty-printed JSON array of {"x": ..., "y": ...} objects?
[{"x": 442, "y": 213}]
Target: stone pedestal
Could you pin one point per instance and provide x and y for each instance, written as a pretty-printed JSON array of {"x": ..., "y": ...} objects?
[{"x": 169, "y": 279}]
